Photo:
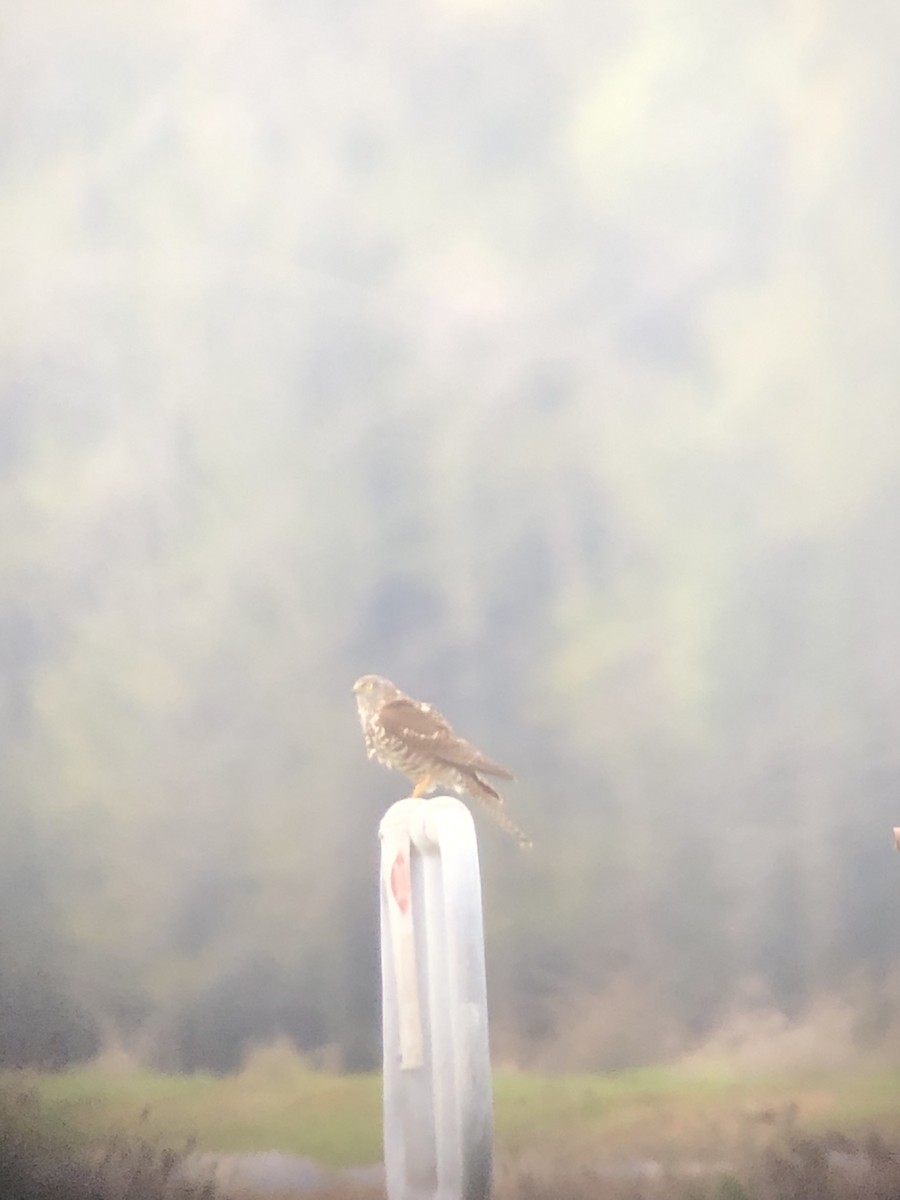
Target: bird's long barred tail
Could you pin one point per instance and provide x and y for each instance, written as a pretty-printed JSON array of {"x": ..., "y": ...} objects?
[{"x": 493, "y": 802}]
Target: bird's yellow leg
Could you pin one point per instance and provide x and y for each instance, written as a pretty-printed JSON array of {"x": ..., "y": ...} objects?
[{"x": 422, "y": 786}]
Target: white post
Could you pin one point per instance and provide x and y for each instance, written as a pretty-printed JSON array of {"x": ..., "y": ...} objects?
[{"x": 438, "y": 1123}]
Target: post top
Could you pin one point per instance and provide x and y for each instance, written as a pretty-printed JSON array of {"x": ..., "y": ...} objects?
[{"x": 427, "y": 823}]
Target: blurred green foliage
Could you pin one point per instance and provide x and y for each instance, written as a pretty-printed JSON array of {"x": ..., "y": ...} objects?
[{"x": 540, "y": 356}]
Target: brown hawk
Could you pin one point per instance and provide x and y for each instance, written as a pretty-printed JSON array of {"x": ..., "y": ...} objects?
[{"x": 411, "y": 736}]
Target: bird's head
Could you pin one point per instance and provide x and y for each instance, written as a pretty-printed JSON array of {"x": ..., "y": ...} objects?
[{"x": 374, "y": 690}]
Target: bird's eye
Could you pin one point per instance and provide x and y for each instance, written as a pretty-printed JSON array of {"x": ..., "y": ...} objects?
[{"x": 369, "y": 685}]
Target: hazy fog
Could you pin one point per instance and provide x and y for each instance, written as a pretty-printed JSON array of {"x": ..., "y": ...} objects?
[{"x": 542, "y": 356}]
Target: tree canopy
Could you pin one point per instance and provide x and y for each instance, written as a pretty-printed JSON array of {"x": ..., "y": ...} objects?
[{"x": 540, "y": 356}]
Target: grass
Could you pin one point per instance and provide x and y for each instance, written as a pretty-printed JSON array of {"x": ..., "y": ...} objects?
[
  {"x": 659, "y": 1113},
  {"x": 664, "y": 1112},
  {"x": 334, "y": 1119}
]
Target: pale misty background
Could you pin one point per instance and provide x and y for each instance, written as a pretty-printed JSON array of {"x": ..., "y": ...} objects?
[{"x": 542, "y": 356}]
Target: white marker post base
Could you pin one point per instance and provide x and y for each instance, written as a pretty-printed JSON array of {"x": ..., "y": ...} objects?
[{"x": 438, "y": 1118}]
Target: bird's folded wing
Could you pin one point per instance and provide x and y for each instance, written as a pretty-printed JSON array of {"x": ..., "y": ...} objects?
[{"x": 424, "y": 729}]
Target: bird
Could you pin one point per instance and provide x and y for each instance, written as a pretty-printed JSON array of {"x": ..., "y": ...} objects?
[{"x": 413, "y": 737}]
